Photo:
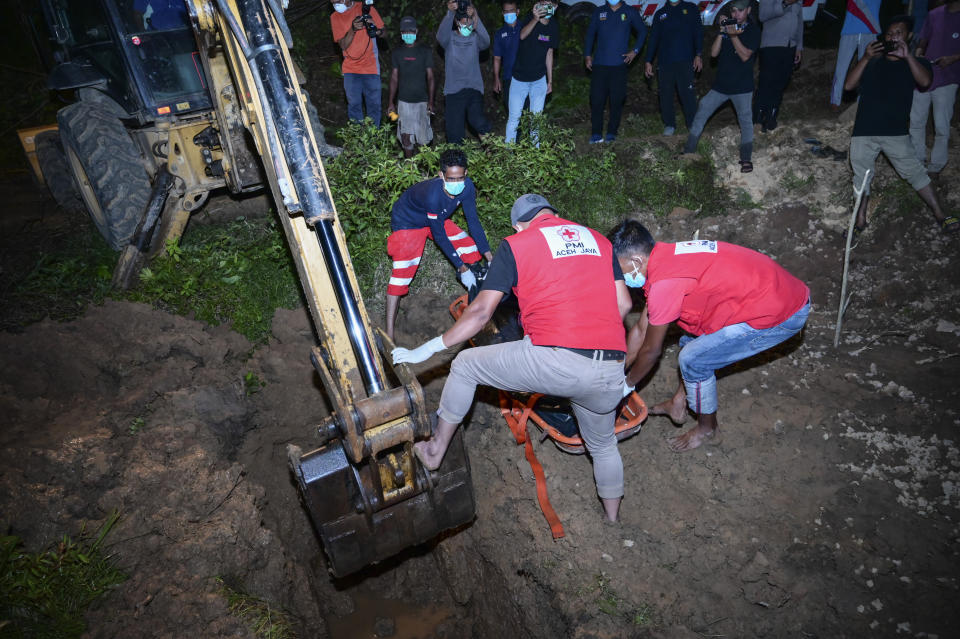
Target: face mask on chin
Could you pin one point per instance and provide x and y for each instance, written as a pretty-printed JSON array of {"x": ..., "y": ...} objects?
[{"x": 635, "y": 279}]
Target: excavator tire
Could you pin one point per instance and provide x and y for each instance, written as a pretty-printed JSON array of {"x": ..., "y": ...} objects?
[
  {"x": 56, "y": 172},
  {"x": 107, "y": 167}
]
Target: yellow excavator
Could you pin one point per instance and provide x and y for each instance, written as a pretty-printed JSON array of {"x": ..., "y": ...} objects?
[{"x": 176, "y": 98}]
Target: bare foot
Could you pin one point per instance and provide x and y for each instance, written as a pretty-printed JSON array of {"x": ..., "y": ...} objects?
[
  {"x": 675, "y": 408},
  {"x": 427, "y": 453},
  {"x": 693, "y": 438}
]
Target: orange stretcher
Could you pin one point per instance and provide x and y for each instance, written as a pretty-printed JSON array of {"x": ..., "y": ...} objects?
[{"x": 518, "y": 414}]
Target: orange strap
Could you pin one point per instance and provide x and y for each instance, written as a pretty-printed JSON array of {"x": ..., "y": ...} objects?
[{"x": 518, "y": 426}]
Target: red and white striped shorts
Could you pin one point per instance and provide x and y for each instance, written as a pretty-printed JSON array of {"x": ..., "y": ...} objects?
[{"x": 405, "y": 248}]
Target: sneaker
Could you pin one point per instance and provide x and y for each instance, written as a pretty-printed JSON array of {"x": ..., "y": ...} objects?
[
  {"x": 610, "y": 138},
  {"x": 669, "y": 130},
  {"x": 596, "y": 139}
]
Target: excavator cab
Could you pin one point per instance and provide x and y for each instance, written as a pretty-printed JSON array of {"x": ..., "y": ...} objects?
[{"x": 142, "y": 54}]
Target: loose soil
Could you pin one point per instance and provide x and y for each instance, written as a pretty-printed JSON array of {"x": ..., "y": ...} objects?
[{"x": 829, "y": 509}]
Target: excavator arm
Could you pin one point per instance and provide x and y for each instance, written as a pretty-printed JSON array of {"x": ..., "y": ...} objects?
[{"x": 366, "y": 493}]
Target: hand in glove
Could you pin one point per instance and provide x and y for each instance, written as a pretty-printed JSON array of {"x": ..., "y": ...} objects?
[
  {"x": 420, "y": 353},
  {"x": 468, "y": 279}
]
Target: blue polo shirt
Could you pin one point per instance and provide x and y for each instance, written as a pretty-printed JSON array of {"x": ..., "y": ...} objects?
[
  {"x": 611, "y": 31},
  {"x": 426, "y": 204},
  {"x": 506, "y": 41},
  {"x": 677, "y": 33}
]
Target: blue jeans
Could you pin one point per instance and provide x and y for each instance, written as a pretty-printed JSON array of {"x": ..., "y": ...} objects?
[
  {"x": 712, "y": 101},
  {"x": 519, "y": 92},
  {"x": 701, "y": 357},
  {"x": 360, "y": 88}
]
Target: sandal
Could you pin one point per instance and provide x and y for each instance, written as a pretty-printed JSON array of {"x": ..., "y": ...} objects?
[
  {"x": 746, "y": 166},
  {"x": 950, "y": 225}
]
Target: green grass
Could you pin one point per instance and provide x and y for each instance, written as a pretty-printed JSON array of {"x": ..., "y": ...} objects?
[
  {"x": 45, "y": 594},
  {"x": 242, "y": 271},
  {"x": 600, "y": 593},
  {"x": 238, "y": 273},
  {"x": 260, "y": 617}
]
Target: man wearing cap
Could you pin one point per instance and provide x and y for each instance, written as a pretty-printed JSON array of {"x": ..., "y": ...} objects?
[
  {"x": 412, "y": 82},
  {"x": 606, "y": 54},
  {"x": 735, "y": 48},
  {"x": 572, "y": 303}
]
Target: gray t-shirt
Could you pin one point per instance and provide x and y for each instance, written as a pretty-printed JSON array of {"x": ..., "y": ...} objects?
[{"x": 462, "y": 56}]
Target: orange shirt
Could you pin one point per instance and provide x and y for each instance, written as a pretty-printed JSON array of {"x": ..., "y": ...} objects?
[{"x": 361, "y": 55}]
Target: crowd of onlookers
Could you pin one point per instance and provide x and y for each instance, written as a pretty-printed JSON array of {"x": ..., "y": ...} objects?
[{"x": 914, "y": 60}]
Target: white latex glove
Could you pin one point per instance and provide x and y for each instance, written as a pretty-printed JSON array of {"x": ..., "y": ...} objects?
[
  {"x": 627, "y": 388},
  {"x": 468, "y": 279},
  {"x": 419, "y": 354}
]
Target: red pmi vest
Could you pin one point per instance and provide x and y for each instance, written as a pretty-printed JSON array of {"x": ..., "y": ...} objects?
[
  {"x": 565, "y": 286},
  {"x": 734, "y": 285}
]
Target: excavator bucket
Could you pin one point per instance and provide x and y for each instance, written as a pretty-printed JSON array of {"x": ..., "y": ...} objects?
[{"x": 367, "y": 512}]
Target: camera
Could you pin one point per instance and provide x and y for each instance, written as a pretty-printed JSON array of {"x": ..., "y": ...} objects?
[
  {"x": 730, "y": 22},
  {"x": 547, "y": 8},
  {"x": 461, "y": 12},
  {"x": 368, "y": 23},
  {"x": 889, "y": 46}
]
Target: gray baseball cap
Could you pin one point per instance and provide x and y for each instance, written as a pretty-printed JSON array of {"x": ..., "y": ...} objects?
[
  {"x": 408, "y": 23},
  {"x": 527, "y": 206}
]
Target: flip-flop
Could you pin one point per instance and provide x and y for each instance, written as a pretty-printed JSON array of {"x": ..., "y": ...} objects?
[
  {"x": 950, "y": 225},
  {"x": 746, "y": 166}
]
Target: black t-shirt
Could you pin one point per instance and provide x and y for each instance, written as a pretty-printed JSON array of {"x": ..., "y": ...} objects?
[
  {"x": 502, "y": 275},
  {"x": 733, "y": 74},
  {"x": 886, "y": 95},
  {"x": 531, "y": 63},
  {"x": 412, "y": 64}
]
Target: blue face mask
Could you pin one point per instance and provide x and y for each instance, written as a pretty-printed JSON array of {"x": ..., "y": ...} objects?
[
  {"x": 339, "y": 7},
  {"x": 466, "y": 30},
  {"x": 408, "y": 38},
  {"x": 454, "y": 188},
  {"x": 613, "y": 3},
  {"x": 510, "y": 18},
  {"x": 635, "y": 279}
]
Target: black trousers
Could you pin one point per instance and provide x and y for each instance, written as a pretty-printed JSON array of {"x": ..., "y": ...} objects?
[
  {"x": 776, "y": 67},
  {"x": 607, "y": 82},
  {"x": 676, "y": 77},
  {"x": 462, "y": 107}
]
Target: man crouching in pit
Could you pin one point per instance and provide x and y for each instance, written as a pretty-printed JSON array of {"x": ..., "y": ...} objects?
[
  {"x": 734, "y": 302},
  {"x": 572, "y": 303}
]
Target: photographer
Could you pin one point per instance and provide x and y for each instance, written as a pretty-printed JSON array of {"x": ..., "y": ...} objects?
[
  {"x": 735, "y": 48},
  {"x": 887, "y": 75},
  {"x": 463, "y": 37},
  {"x": 533, "y": 70},
  {"x": 356, "y": 27}
]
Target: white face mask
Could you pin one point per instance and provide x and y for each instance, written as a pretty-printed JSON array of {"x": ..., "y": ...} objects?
[{"x": 339, "y": 7}]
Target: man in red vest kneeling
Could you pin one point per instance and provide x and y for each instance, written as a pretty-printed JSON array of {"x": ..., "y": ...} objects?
[
  {"x": 572, "y": 301},
  {"x": 732, "y": 301}
]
